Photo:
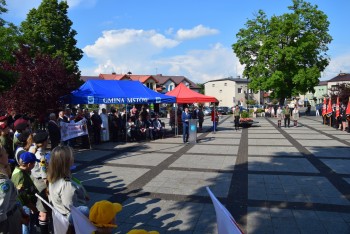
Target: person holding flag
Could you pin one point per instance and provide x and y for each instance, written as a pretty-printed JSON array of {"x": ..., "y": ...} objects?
[
  {"x": 337, "y": 114},
  {"x": 329, "y": 111},
  {"x": 324, "y": 110},
  {"x": 343, "y": 118}
]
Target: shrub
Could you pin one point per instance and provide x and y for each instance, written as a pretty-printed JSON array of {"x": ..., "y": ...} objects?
[{"x": 244, "y": 114}]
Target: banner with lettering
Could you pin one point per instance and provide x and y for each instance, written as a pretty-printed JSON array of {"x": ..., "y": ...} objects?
[{"x": 72, "y": 130}]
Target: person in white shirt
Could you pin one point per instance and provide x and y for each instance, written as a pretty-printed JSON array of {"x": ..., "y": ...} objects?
[
  {"x": 104, "y": 126},
  {"x": 279, "y": 115}
]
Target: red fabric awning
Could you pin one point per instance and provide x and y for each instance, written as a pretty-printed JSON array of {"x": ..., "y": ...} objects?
[{"x": 186, "y": 95}]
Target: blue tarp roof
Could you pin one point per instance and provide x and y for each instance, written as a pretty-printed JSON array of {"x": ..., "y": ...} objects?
[{"x": 115, "y": 92}]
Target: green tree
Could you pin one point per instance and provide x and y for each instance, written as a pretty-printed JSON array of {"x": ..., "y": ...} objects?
[
  {"x": 285, "y": 54},
  {"x": 201, "y": 87},
  {"x": 48, "y": 30},
  {"x": 9, "y": 36}
]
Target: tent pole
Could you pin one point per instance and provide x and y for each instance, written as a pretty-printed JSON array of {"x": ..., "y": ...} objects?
[
  {"x": 126, "y": 123},
  {"x": 214, "y": 118},
  {"x": 176, "y": 123}
]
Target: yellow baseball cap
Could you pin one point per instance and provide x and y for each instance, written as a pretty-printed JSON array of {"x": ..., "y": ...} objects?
[{"x": 103, "y": 212}]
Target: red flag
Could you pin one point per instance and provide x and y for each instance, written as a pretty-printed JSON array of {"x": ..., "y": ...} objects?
[
  {"x": 337, "y": 111},
  {"x": 324, "y": 107},
  {"x": 348, "y": 108},
  {"x": 329, "y": 107}
]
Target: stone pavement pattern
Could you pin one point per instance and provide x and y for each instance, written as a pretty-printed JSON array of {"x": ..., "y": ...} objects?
[{"x": 272, "y": 180}]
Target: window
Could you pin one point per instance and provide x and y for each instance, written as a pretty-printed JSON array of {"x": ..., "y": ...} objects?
[
  {"x": 225, "y": 84},
  {"x": 220, "y": 91},
  {"x": 213, "y": 85},
  {"x": 149, "y": 85},
  {"x": 170, "y": 87},
  {"x": 239, "y": 90}
]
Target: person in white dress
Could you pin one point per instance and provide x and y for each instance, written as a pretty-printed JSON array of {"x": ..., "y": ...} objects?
[
  {"x": 296, "y": 116},
  {"x": 279, "y": 115},
  {"x": 104, "y": 126}
]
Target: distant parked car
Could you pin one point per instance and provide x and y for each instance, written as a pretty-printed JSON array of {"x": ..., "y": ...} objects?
[
  {"x": 207, "y": 110},
  {"x": 224, "y": 110}
]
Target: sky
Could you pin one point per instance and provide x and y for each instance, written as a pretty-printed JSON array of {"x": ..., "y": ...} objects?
[{"x": 191, "y": 38}]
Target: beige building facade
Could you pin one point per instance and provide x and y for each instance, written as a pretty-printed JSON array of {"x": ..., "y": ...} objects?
[{"x": 231, "y": 91}]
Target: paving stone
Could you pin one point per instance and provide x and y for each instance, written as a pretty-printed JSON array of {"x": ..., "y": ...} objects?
[
  {"x": 338, "y": 165},
  {"x": 330, "y": 151},
  {"x": 206, "y": 162},
  {"x": 321, "y": 143},
  {"x": 273, "y": 151},
  {"x": 280, "y": 164},
  {"x": 139, "y": 158}
]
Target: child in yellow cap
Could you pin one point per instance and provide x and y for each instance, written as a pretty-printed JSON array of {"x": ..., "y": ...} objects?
[{"x": 102, "y": 215}]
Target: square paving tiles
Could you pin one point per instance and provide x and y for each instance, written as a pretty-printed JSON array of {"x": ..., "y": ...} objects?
[
  {"x": 341, "y": 166},
  {"x": 273, "y": 150},
  {"x": 330, "y": 151},
  {"x": 300, "y": 136},
  {"x": 205, "y": 161},
  {"x": 321, "y": 143},
  {"x": 269, "y": 142},
  {"x": 280, "y": 164},
  {"x": 190, "y": 183},
  {"x": 275, "y": 220},
  {"x": 232, "y": 134},
  {"x": 284, "y": 188},
  {"x": 162, "y": 147},
  {"x": 214, "y": 150},
  {"x": 166, "y": 216},
  {"x": 139, "y": 158},
  {"x": 90, "y": 155},
  {"x": 262, "y": 130},
  {"x": 108, "y": 176},
  {"x": 266, "y": 136},
  {"x": 220, "y": 141}
]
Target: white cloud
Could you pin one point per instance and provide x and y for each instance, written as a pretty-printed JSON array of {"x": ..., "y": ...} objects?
[
  {"x": 204, "y": 65},
  {"x": 127, "y": 49},
  {"x": 198, "y": 31},
  {"x": 337, "y": 64},
  {"x": 140, "y": 52}
]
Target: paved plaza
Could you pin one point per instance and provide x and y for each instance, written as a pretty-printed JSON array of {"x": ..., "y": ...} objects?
[{"x": 272, "y": 180}]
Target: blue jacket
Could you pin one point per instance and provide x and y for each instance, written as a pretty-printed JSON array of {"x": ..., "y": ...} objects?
[{"x": 185, "y": 117}]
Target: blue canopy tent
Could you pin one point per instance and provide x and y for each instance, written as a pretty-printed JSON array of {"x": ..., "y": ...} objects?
[{"x": 115, "y": 92}]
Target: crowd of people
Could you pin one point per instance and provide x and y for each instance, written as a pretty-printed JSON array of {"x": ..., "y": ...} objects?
[
  {"x": 285, "y": 114},
  {"x": 339, "y": 122},
  {"x": 32, "y": 176}
]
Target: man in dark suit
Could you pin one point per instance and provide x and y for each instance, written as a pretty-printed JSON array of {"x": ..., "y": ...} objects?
[
  {"x": 54, "y": 131},
  {"x": 185, "y": 117}
]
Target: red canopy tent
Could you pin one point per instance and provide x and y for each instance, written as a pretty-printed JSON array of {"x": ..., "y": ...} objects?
[{"x": 186, "y": 95}]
